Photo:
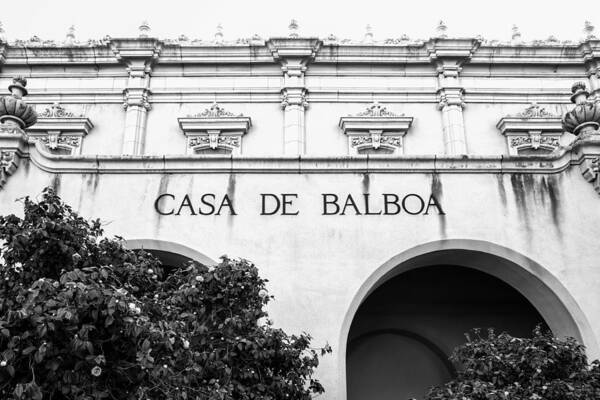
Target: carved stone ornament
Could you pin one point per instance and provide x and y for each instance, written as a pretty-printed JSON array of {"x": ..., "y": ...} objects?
[
  {"x": 60, "y": 130},
  {"x": 532, "y": 131},
  {"x": 9, "y": 161},
  {"x": 375, "y": 130},
  {"x": 214, "y": 130},
  {"x": 591, "y": 172}
]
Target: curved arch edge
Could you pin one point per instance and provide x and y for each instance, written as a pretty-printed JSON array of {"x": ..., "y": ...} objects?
[
  {"x": 171, "y": 247},
  {"x": 391, "y": 268}
]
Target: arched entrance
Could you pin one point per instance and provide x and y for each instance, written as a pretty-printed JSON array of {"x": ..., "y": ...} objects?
[{"x": 407, "y": 317}]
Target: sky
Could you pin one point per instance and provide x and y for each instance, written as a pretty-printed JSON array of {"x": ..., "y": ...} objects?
[{"x": 50, "y": 19}]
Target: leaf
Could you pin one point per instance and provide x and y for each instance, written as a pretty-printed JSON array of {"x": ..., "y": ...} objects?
[{"x": 29, "y": 350}]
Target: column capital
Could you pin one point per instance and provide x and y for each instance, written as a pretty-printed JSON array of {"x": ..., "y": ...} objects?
[
  {"x": 294, "y": 96},
  {"x": 137, "y": 97},
  {"x": 451, "y": 96}
]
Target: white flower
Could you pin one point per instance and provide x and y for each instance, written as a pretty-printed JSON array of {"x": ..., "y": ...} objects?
[
  {"x": 199, "y": 278},
  {"x": 3, "y": 363},
  {"x": 186, "y": 344},
  {"x": 96, "y": 371},
  {"x": 132, "y": 306},
  {"x": 150, "y": 271},
  {"x": 211, "y": 268},
  {"x": 262, "y": 293},
  {"x": 165, "y": 366},
  {"x": 18, "y": 265}
]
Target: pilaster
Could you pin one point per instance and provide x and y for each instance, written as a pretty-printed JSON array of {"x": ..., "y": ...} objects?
[
  {"x": 448, "y": 56},
  {"x": 294, "y": 54},
  {"x": 591, "y": 58},
  {"x": 139, "y": 55}
]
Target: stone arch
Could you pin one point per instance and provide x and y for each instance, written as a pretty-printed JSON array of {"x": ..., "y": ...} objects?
[
  {"x": 540, "y": 287},
  {"x": 170, "y": 249}
]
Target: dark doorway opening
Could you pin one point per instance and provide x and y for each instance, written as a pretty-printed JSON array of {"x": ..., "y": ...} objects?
[{"x": 403, "y": 333}]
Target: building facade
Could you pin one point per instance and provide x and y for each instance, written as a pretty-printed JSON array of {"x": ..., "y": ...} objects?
[{"x": 395, "y": 193}]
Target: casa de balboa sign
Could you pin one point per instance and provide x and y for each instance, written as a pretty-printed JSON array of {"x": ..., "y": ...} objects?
[{"x": 286, "y": 204}]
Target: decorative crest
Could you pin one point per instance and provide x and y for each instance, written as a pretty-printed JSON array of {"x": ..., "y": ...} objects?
[
  {"x": 588, "y": 30},
  {"x": 368, "y": 35},
  {"x": 70, "y": 39},
  {"x": 144, "y": 29},
  {"x": 293, "y": 28},
  {"x": 441, "y": 30},
  {"x": 535, "y": 111},
  {"x": 215, "y": 111},
  {"x": 57, "y": 111},
  {"x": 376, "y": 110}
]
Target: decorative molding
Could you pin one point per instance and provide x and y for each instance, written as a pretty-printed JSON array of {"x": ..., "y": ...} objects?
[
  {"x": 545, "y": 164},
  {"x": 59, "y": 128},
  {"x": 214, "y": 129},
  {"x": 532, "y": 130},
  {"x": 376, "y": 129}
]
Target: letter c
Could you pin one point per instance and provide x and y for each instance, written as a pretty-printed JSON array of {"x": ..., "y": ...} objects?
[{"x": 158, "y": 199}]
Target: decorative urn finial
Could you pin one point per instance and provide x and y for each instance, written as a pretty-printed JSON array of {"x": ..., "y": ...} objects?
[
  {"x": 219, "y": 34},
  {"x": 144, "y": 29},
  {"x": 585, "y": 117},
  {"x": 368, "y": 35},
  {"x": 293, "y": 28},
  {"x": 588, "y": 30},
  {"x": 516, "y": 34},
  {"x": 13, "y": 109},
  {"x": 70, "y": 39},
  {"x": 441, "y": 30}
]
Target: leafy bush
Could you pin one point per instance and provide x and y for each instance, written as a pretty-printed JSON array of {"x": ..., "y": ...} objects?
[
  {"x": 505, "y": 367},
  {"x": 81, "y": 317}
]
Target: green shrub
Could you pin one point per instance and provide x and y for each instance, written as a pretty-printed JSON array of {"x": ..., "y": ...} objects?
[
  {"x": 81, "y": 317},
  {"x": 504, "y": 367}
]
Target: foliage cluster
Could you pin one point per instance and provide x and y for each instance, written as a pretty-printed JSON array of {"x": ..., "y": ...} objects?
[{"x": 82, "y": 317}]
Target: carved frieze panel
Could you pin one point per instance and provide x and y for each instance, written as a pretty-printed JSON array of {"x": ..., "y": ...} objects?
[
  {"x": 214, "y": 130},
  {"x": 532, "y": 131},
  {"x": 60, "y": 130},
  {"x": 375, "y": 130}
]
